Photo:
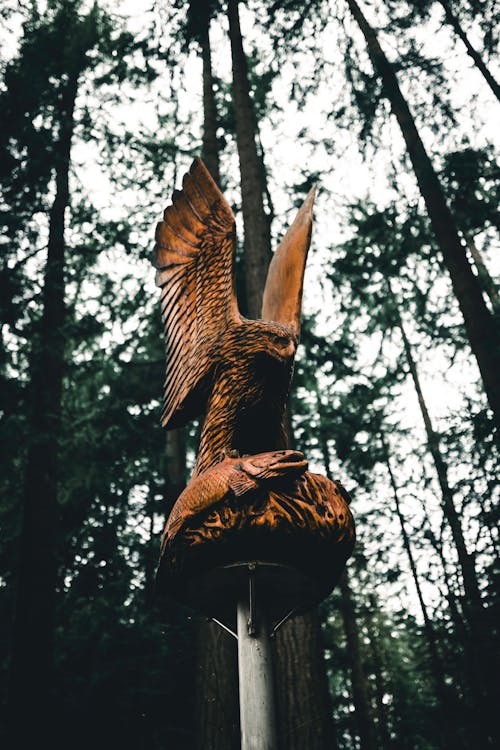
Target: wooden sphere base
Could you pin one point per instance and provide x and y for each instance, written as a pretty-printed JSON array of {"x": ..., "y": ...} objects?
[{"x": 305, "y": 528}]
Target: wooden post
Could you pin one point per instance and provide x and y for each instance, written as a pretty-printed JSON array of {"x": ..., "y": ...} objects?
[{"x": 255, "y": 670}]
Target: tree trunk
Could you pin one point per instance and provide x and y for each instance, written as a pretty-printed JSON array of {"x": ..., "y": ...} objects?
[
  {"x": 456, "y": 614},
  {"x": 174, "y": 481},
  {"x": 466, "y": 560},
  {"x": 452, "y": 19},
  {"x": 479, "y": 324},
  {"x": 305, "y": 711},
  {"x": 29, "y": 702},
  {"x": 446, "y": 730},
  {"x": 478, "y": 643},
  {"x": 303, "y": 698},
  {"x": 217, "y": 705},
  {"x": 364, "y": 717},
  {"x": 381, "y": 688},
  {"x": 210, "y": 148},
  {"x": 270, "y": 213},
  {"x": 255, "y": 221},
  {"x": 487, "y": 281}
]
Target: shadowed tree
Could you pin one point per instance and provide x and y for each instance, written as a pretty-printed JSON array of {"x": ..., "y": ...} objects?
[
  {"x": 216, "y": 712},
  {"x": 472, "y": 183},
  {"x": 255, "y": 221},
  {"x": 453, "y": 20},
  {"x": 448, "y": 731},
  {"x": 31, "y": 663},
  {"x": 58, "y": 47},
  {"x": 364, "y": 717}
]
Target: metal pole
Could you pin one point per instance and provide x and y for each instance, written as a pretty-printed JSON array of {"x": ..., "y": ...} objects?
[{"x": 257, "y": 718}]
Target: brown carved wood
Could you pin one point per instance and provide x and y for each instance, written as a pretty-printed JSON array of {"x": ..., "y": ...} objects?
[
  {"x": 232, "y": 477},
  {"x": 303, "y": 522},
  {"x": 248, "y": 495}
]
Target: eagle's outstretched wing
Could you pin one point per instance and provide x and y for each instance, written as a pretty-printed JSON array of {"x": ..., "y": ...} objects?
[
  {"x": 194, "y": 255},
  {"x": 282, "y": 298}
]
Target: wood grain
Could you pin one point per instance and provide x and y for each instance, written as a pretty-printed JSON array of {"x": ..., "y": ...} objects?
[{"x": 305, "y": 522}]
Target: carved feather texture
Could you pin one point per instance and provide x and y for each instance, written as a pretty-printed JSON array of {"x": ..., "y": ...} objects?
[{"x": 194, "y": 255}]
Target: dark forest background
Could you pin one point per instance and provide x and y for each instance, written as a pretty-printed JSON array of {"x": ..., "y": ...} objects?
[{"x": 388, "y": 106}]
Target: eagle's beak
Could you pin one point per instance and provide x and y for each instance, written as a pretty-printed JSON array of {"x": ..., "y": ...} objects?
[{"x": 290, "y": 350}]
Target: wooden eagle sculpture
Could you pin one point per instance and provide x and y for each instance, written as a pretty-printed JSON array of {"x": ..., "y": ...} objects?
[
  {"x": 235, "y": 369},
  {"x": 237, "y": 372}
]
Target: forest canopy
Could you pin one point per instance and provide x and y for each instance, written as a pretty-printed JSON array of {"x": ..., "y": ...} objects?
[{"x": 390, "y": 108}]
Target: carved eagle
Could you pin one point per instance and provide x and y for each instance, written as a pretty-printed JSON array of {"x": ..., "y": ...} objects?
[{"x": 234, "y": 369}]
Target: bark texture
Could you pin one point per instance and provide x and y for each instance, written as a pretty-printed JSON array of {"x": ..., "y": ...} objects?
[
  {"x": 217, "y": 706},
  {"x": 482, "y": 333},
  {"x": 255, "y": 221},
  {"x": 210, "y": 149},
  {"x": 303, "y": 699}
]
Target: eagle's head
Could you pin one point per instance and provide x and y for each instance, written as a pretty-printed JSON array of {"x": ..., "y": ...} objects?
[{"x": 275, "y": 341}]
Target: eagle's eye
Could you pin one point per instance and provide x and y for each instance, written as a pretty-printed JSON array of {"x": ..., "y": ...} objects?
[{"x": 279, "y": 340}]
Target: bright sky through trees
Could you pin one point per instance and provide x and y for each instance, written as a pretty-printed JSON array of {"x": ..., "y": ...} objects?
[{"x": 321, "y": 119}]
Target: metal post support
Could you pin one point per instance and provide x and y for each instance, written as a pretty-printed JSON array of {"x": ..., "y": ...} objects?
[{"x": 257, "y": 715}]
